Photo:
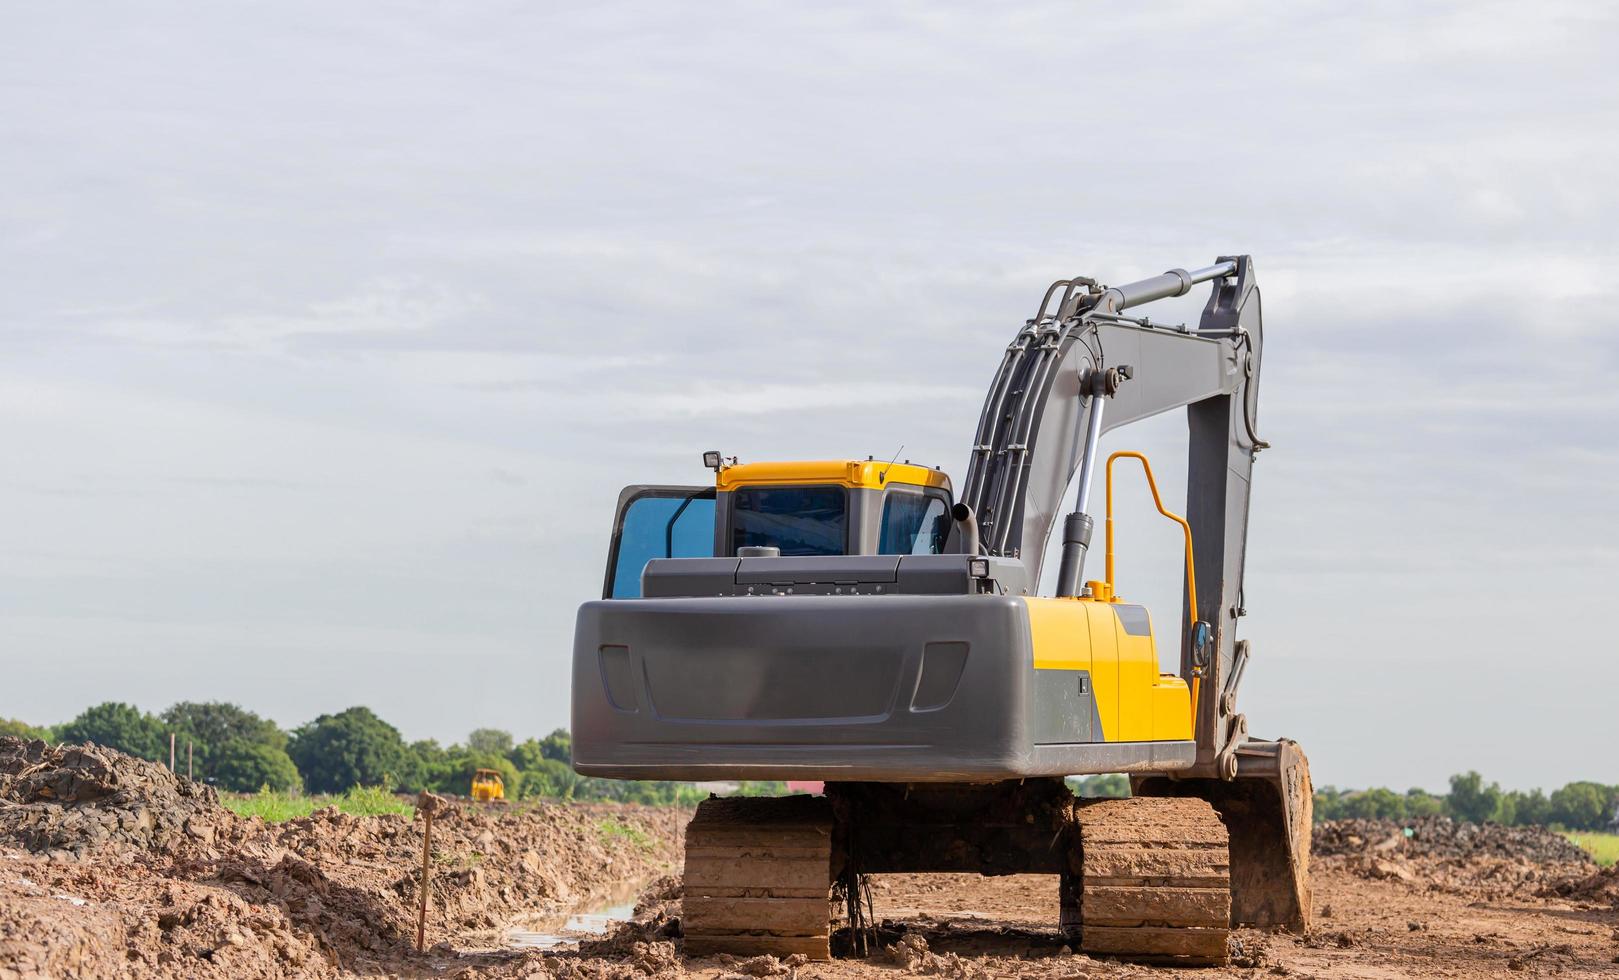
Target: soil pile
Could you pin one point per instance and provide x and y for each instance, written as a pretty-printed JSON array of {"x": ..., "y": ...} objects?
[
  {"x": 1599, "y": 888},
  {"x": 1442, "y": 837},
  {"x": 113, "y": 866},
  {"x": 1484, "y": 861},
  {"x": 74, "y": 800}
]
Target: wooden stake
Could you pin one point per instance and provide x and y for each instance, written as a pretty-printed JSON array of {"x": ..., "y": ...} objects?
[
  {"x": 188, "y": 760},
  {"x": 171, "y": 752},
  {"x": 427, "y": 856}
]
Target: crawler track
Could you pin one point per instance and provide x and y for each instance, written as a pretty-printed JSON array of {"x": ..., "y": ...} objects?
[
  {"x": 1156, "y": 882},
  {"x": 759, "y": 877},
  {"x": 1144, "y": 879}
]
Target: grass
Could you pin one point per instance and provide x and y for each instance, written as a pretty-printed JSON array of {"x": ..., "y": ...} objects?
[
  {"x": 365, "y": 801},
  {"x": 278, "y": 807},
  {"x": 609, "y": 828},
  {"x": 273, "y": 807},
  {"x": 1602, "y": 847}
]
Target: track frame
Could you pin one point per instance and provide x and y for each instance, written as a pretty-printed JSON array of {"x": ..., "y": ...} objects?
[{"x": 1144, "y": 879}]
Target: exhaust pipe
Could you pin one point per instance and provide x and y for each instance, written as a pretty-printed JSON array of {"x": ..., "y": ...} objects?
[{"x": 967, "y": 521}]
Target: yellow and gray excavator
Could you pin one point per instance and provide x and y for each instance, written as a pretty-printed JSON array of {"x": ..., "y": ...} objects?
[{"x": 856, "y": 623}]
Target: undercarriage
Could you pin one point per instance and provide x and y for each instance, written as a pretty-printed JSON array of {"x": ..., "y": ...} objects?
[{"x": 1147, "y": 879}]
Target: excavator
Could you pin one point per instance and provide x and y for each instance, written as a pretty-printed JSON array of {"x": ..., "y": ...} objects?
[{"x": 855, "y": 622}]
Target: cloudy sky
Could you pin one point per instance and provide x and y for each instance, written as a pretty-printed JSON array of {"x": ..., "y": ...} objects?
[{"x": 328, "y": 333}]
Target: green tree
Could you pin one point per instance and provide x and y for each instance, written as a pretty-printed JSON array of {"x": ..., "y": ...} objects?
[
  {"x": 428, "y": 767},
  {"x": 1328, "y": 804},
  {"x": 1109, "y": 784},
  {"x": 1470, "y": 799},
  {"x": 246, "y": 767},
  {"x": 1421, "y": 803},
  {"x": 1581, "y": 806},
  {"x": 120, "y": 726},
  {"x": 526, "y": 754},
  {"x": 1378, "y": 803},
  {"x": 490, "y": 741},
  {"x": 212, "y": 725},
  {"x": 549, "y": 778},
  {"x": 21, "y": 729},
  {"x": 351, "y": 748},
  {"x": 558, "y": 745}
]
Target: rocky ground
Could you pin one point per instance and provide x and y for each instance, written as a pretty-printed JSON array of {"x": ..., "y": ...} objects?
[{"x": 112, "y": 867}]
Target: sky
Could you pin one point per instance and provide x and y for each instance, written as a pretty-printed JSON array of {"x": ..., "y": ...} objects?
[{"x": 329, "y": 333}]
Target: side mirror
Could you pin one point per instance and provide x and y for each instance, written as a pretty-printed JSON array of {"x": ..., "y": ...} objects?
[{"x": 1202, "y": 644}]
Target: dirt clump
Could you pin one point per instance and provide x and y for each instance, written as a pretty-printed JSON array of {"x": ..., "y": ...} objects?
[
  {"x": 1442, "y": 837},
  {"x": 1600, "y": 887}
]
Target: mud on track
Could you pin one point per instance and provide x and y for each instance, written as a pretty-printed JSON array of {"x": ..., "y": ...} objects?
[{"x": 112, "y": 867}]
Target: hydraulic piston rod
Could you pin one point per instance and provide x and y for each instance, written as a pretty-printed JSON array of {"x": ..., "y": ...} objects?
[
  {"x": 1175, "y": 282},
  {"x": 1076, "y": 528}
]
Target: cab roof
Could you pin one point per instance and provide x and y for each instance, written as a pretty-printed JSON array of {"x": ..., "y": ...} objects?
[{"x": 859, "y": 474}]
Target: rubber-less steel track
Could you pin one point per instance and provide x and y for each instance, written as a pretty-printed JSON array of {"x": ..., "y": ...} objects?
[
  {"x": 758, "y": 877},
  {"x": 1156, "y": 883}
]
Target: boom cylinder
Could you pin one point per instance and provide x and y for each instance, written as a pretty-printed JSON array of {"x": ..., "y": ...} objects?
[
  {"x": 1175, "y": 282},
  {"x": 1076, "y": 528},
  {"x": 1076, "y": 541}
]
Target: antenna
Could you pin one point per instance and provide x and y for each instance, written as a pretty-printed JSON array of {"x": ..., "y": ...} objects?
[{"x": 883, "y": 476}]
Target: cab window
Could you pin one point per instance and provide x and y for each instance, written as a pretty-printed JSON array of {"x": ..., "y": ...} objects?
[
  {"x": 913, "y": 523},
  {"x": 798, "y": 520},
  {"x": 660, "y": 524}
]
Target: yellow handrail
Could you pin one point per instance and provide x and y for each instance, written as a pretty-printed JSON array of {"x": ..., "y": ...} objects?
[{"x": 1191, "y": 574}]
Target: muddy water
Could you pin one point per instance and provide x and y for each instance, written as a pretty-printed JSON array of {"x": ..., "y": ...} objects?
[{"x": 582, "y": 925}]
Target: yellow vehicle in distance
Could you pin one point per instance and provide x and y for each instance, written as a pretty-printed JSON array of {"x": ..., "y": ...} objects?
[{"x": 488, "y": 787}]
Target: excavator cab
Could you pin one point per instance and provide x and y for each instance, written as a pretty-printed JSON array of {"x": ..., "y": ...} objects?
[{"x": 799, "y": 509}]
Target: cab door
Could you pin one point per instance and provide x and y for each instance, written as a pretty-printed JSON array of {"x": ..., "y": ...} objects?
[{"x": 656, "y": 522}]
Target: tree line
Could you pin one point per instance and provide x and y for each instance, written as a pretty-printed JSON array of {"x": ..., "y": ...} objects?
[
  {"x": 236, "y": 750},
  {"x": 1578, "y": 806},
  {"x": 1581, "y": 805}
]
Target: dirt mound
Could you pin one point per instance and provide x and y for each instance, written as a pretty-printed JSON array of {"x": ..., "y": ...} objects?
[
  {"x": 74, "y": 800},
  {"x": 1442, "y": 837},
  {"x": 113, "y": 866},
  {"x": 1599, "y": 888},
  {"x": 1481, "y": 861}
]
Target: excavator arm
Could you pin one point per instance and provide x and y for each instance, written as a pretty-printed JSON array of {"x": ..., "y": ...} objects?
[{"x": 1081, "y": 367}]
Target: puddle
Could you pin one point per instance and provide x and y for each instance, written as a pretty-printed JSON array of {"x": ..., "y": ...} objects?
[{"x": 572, "y": 929}]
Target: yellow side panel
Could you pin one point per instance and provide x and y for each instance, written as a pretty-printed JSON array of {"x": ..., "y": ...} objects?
[
  {"x": 1171, "y": 709},
  {"x": 1065, "y": 637},
  {"x": 1071, "y": 634},
  {"x": 1105, "y": 673},
  {"x": 1061, "y": 633},
  {"x": 1134, "y": 702},
  {"x": 1138, "y": 676}
]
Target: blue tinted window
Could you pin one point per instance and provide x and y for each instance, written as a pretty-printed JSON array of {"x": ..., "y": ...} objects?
[
  {"x": 798, "y": 520},
  {"x": 661, "y": 527},
  {"x": 913, "y": 524}
]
